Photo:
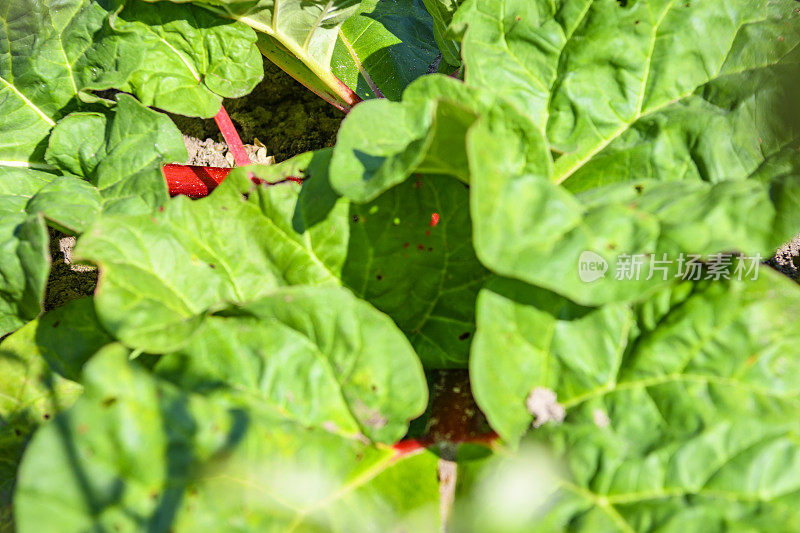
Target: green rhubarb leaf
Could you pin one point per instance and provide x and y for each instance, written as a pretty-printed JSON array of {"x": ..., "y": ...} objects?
[
  {"x": 424, "y": 133},
  {"x": 660, "y": 223},
  {"x": 718, "y": 144},
  {"x": 192, "y": 59},
  {"x": 23, "y": 269},
  {"x": 678, "y": 412},
  {"x": 160, "y": 273},
  {"x": 614, "y": 86},
  {"x": 50, "y": 52},
  {"x": 120, "y": 153},
  {"x": 299, "y": 36},
  {"x": 39, "y": 367},
  {"x": 302, "y": 339},
  {"x": 408, "y": 252},
  {"x": 411, "y": 256},
  {"x": 137, "y": 451},
  {"x": 442, "y": 12},
  {"x": 674, "y": 109},
  {"x": 385, "y": 46}
]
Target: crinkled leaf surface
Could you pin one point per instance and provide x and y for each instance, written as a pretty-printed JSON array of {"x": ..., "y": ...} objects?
[
  {"x": 610, "y": 83},
  {"x": 386, "y": 45},
  {"x": 120, "y": 153},
  {"x": 160, "y": 273},
  {"x": 680, "y": 410},
  {"x": 49, "y": 52},
  {"x": 191, "y": 58},
  {"x": 137, "y": 451},
  {"x": 571, "y": 149},
  {"x": 298, "y": 35},
  {"x": 410, "y": 254},
  {"x": 38, "y": 364},
  {"x": 317, "y": 355},
  {"x": 652, "y": 90},
  {"x": 656, "y": 221},
  {"x": 423, "y": 133}
]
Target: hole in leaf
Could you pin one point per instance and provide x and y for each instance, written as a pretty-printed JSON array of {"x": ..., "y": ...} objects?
[{"x": 464, "y": 336}]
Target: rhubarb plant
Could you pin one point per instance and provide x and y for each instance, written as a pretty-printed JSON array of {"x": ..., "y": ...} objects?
[{"x": 279, "y": 354}]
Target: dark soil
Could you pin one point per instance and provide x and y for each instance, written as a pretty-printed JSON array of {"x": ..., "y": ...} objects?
[
  {"x": 281, "y": 114},
  {"x": 67, "y": 281}
]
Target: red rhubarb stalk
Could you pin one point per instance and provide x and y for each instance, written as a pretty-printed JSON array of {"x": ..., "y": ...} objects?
[
  {"x": 193, "y": 181},
  {"x": 231, "y": 137}
]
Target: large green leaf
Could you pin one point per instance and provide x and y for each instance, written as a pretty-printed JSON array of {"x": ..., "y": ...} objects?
[
  {"x": 298, "y": 35},
  {"x": 120, "y": 153},
  {"x": 411, "y": 256},
  {"x": 385, "y": 46},
  {"x": 317, "y": 355},
  {"x": 613, "y": 84},
  {"x": 381, "y": 143},
  {"x": 681, "y": 412},
  {"x": 160, "y": 273},
  {"x": 49, "y": 53},
  {"x": 652, "y": 220},
  {"x": 136, "y": 452},
  {"x": 649, "y": 160},
  {"x": 37, "y": 366},
  {"x": 192, "y": 58},
  {"x": 408, "y": 252}
]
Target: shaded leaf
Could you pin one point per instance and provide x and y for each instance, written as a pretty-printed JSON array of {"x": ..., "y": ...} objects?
[
  {"x": 189, "y": 461},
  {"x": 37, "y": 366},
  {"x": 411, "y": 256},
  {"x": 386, "y": 45}
]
